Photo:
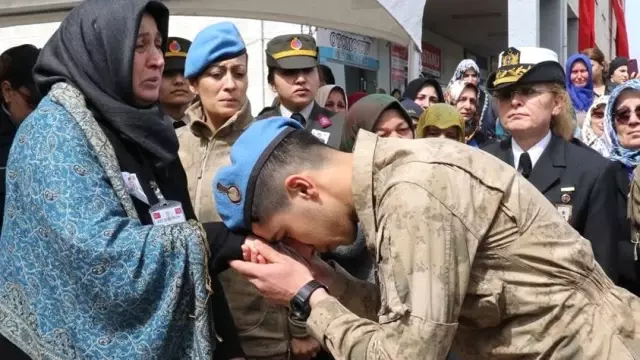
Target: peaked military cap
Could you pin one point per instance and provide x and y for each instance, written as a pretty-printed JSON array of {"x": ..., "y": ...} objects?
[
  {"x": 176, "y": 54},
  {"x": 292, "y": 52}
]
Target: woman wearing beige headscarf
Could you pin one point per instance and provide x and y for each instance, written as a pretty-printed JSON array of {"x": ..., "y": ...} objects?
[
  {"x": 441, "y": 120},
  {"x": 332, "y": 97},
  {"x": 593, "y": 127}
]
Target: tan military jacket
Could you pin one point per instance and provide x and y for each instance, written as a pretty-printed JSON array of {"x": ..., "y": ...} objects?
[
  {"x": 264, "y": 329},
  {"x": 470, "y": 254}
]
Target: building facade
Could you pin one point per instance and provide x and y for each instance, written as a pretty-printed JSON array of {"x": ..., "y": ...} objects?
[{"x": 453, "y": 30}]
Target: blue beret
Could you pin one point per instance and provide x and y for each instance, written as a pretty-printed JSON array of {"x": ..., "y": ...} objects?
[
  {"x": 234, "y": 185},
  {"x": 218, "y": 42}
]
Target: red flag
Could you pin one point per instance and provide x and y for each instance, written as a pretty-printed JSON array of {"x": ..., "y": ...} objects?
[
  {"x": 587, "y": 24},
  {"x": 622, "y": 41}
]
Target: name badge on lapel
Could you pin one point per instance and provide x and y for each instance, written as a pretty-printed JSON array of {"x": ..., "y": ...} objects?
[
  {"x": 322, "y": 135},
  {"x": 566, "y": 209},
  {"x": 165, "y": 212},
  {"x": 133, "y": 186}
]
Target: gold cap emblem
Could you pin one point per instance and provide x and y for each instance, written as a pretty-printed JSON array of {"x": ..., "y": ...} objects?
[{"x": 511, "y": 57}]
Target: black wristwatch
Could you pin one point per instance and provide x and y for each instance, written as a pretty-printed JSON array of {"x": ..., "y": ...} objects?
[{"x": 299, "y": 305}]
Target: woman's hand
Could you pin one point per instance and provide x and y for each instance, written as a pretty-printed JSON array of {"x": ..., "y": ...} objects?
[{"x": 277, "y": 276}]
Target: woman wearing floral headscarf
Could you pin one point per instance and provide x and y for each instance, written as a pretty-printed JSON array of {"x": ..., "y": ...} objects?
[
  {"x": 593, "y": 127},
  {"x": 463, "y": 96},
  {"x": 469, "y": 71},
  {"x": 621, "y": 126}
]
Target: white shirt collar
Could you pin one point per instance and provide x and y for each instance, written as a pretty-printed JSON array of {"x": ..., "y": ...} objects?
[
  {"x": 306, "y": 112},
  {"x": 535, "y": 152}
]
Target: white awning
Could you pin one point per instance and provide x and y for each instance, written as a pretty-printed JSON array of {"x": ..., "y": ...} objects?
[{"x": 399, "y": 21}]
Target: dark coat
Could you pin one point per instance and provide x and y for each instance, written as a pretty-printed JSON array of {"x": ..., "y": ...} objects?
[
  {"x": 335, "y": 130},
  {"x": 7, "y": 133},
  {"x": 628, "y": 268},
  {"x": 571, "y": 175}
]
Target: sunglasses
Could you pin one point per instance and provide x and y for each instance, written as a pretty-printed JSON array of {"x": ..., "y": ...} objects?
[
  {"x": 523, "y": 90},
  {"x": 623, "y": 115}
]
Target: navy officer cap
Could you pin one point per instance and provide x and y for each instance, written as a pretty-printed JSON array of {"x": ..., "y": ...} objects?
[
  {"x": 218, "y": 42},
  {"x": 234, "y": 185}
]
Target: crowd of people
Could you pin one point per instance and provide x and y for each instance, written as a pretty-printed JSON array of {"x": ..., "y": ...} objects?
[{"x": 147, "y": 213}]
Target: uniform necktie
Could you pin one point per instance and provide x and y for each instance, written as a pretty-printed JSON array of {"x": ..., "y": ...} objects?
[
  {"x": 299, "y": 118},
  {"x": 524, "y": 165}
]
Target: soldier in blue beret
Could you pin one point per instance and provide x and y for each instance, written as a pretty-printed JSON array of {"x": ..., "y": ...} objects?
[
  {"x": 469, "y": 254},
  {"x": 293, "y": 74}
]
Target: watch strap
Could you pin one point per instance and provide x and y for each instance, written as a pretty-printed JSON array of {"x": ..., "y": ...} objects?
[{"x": 300, "y": 302}]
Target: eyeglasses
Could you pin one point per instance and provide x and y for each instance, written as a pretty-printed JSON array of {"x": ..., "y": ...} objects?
[
  {"x": 523, "y": 90},
  {"x": 623, "y": 115}
]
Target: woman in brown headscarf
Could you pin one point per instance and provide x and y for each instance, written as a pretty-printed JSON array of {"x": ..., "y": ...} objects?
[
  {"x": 378, "y": 113},
  {"x": 441, "y": 120}
]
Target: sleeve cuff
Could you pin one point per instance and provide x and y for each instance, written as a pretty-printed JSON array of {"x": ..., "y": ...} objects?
[
  {"x": 298, "y": 329},
  {"x": 323, "y": 314}
]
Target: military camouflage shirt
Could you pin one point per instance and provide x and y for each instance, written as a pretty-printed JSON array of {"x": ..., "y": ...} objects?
[{"x": 470, "y": 256}]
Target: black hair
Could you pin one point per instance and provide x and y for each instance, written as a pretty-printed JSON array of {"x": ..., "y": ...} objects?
[
  {"x": 327, "y": 74},
  {"x": 297, "y": 151},
  {"x": 271, "y": 73},
  {"x": 396, "y": 91}
]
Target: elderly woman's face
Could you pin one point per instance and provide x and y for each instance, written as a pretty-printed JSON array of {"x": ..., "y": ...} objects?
[
  {"x": 336, "y": 102},
  {"x": 627, "y": 119},
  {"x": 148, "y": 63},
  {"x": 579, "y": 74},
  {"x": 427, "y": 96},
  {"x": 467, "y": 103},
  {"x": 223, "y": 87},
  {"x": 597, "y": 119},
  {"x": 527, "y": 108},
  {"x": 452, "y": 132},
  {"x": 392, "y": 124},
  {"x": 471, "y": 76}
]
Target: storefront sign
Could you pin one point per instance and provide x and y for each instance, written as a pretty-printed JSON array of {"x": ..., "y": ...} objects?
[
  {"x": 431, "y": 59},
  {"x": 399, "y": 64},
  {"x": 351, "y": 49}
]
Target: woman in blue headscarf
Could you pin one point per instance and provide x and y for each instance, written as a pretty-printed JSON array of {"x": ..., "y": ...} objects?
[
  {"x": 579, "y": 82},
  {"x": 622, "y": 126}
]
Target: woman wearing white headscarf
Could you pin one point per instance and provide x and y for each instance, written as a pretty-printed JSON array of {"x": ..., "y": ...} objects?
[
  {"x": 333, "y": 97},
  {"x": 468, "y": 71},
  {"x": 593, "y": 127}
]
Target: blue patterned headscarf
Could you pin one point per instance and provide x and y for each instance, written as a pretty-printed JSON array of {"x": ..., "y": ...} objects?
[
  {"x": 630, "y": 158},
  {"x": 581, "y": 97}
]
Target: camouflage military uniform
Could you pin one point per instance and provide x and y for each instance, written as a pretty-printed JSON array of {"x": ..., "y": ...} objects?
[{"x": 471, "y": 255}]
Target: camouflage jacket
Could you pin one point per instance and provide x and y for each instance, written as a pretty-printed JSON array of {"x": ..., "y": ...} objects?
[{"x": 471, "y": 256}]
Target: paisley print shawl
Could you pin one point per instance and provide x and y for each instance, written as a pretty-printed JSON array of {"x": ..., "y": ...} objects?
[{"x": 82, "y": 277}]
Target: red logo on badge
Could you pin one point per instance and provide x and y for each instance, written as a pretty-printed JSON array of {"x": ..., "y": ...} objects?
[
  {"x": 156, "y": 215},
  {"x": 178, "y": 211},
  {"x": 324, "y": 121}
]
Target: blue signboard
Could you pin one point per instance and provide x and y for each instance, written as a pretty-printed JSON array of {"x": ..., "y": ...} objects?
[{"x": 348, "y": 57}]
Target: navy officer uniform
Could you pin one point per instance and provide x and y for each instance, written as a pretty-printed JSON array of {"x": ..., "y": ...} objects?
[
  {"x": 294, "y": 52},
  {"x": 572, "y": 177}
]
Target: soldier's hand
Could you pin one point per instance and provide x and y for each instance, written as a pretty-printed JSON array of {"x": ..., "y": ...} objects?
[
  {"x": 304, "y": 349},
  {"x": 278, "y": 277}
]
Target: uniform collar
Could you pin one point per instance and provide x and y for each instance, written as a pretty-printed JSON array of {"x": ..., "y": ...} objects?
[
  {"x": 203, "y": 129},
  {"x": 535, "y": 152},
  {"x": 306, "y": 112},
  {"x": 362, "y": 186}
]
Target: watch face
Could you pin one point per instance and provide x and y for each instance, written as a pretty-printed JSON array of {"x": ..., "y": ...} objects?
[{"x": 298, "y": 310}]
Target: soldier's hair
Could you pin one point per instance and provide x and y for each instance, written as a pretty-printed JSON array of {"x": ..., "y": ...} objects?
[{"x": 299, "y": 151}]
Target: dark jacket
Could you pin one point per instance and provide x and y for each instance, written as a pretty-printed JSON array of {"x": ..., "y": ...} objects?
[
  {"x": 7, "y": 133},
  {"x": 335, "y": 130},
  {"x": 223, "y": 244},
  {"x": 571, "y": 175},
  {"x": 628, "y": 268}
]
